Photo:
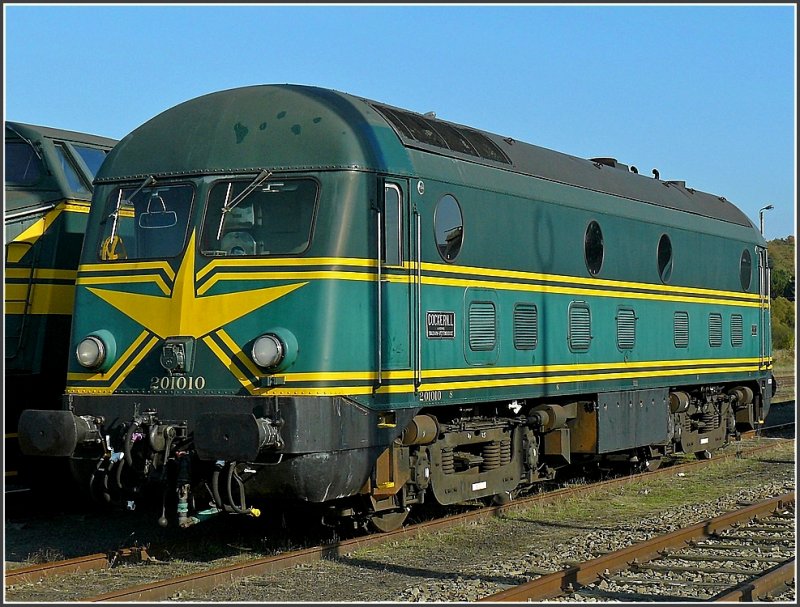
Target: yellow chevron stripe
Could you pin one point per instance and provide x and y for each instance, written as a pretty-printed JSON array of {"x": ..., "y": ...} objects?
[
  {"x": 472, "y": 271},
  {"x": 129, "y": 266},
  {"x": 230, "y": 365},
  {"x": 125, "y": 279},
  {"x": 714, "y": 296},
  {"x": 322, "y": 275},
  {"x": 480, "y": 274},
  {"x": 37, "y": 229},
  {"x": 240, "y": 356},
  {"x": 30, "y": 235},
  {"x": 142, "y": 353},
  {"x": 240, "y": 262},
  {"x": 463, "y": 283},
  {"x": 110, "y": 389}
]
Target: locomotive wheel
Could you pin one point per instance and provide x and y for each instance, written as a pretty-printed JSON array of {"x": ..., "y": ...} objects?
[
  {"x": 650, "y": 464},
  {"x": 501, "y": 499},
  {"x": 385, "y": 522},
  {"x": 703, "y": 454}
]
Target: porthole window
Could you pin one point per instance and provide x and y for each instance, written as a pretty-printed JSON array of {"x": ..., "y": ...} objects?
[
  {"x": 593, "y": 248},
  {"x": 448, "y": 227},
  {"x": 745, "y": 269},
  {"x": 665, "y": 258}
]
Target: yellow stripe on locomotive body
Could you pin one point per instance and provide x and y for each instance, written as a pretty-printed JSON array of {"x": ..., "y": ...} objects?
[
  {"x": 35, "y": 287},
  {"x": 150, "y": 310},
  {"x": 36, "y": 230},
  {"x": 533, "y": 282}
]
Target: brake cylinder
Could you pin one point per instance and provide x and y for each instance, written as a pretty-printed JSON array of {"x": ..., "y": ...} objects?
[
  {"x": 678, "y": 402},
  {"x": 549, "y": 417},
  {"x": 422, "y": 430},
  {"x": 743, "y": 395}
]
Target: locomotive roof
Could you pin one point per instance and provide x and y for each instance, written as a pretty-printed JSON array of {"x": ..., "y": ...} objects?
[
  {"x": 33, "y": 131},
  {"x": 48, "y": 187},
  {"x": 297, "y": 127}
]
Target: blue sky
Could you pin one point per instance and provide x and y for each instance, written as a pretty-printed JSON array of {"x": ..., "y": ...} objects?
[{"x": 703, "y": 93}]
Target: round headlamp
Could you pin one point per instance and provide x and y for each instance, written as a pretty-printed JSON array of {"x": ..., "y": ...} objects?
[
  {"x": 268, "y": 351},
  {"x": 91, "y": 352}
]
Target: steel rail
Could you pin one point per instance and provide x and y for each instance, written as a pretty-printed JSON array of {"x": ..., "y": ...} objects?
[
  {"x": 91, "y": 562},
  {"x": 164, "y": 589},
  {"x": 557, "y": 583},
  {"x": 754, "y": 433},
  {"x": 774, "y": 579}
]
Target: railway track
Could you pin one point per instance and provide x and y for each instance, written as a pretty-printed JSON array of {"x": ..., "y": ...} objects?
[
  {"x": 206, "y": 580},
  {"x": 741, "y": 556},
  {"x": 90, "y": 562}
]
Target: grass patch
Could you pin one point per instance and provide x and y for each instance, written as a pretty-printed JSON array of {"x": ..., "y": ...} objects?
[
  {"x": 600, "y": 507},
  {"x": 44, "y": 555},
  {"x": 703, "y": 484}
]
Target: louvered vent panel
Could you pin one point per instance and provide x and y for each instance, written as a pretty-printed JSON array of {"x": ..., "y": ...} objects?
[
  {"x": 526, "y": 327},
  {"x": 681, "y": 330},
  {"x": 580, "y": 327},
  {"x": 715, "y": 330},
  {"x": 482, "y": 326},
  {"x": 737, "y": 330},
  {"x": 626, "y": 329},
  {"x": 443, "y": 135}
]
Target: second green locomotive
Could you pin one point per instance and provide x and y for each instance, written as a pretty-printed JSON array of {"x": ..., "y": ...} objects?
[
  {"x": 48, "y": 187},
  {"x": 290, "y": 292}
]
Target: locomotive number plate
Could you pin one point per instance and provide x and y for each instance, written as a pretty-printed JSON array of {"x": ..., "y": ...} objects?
[
  {"x": 429, "y": 396},
  {"x": 178, "y": 382}
]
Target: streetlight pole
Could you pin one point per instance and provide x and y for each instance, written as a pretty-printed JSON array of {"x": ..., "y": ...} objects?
[{"x": 769, "y": 207}]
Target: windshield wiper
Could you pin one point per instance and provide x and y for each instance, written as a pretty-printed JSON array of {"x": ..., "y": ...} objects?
[
  {"x": 26, "y": 140},
  {"x": 227, "y": 207},
  {"x": 115, "y": 214}
]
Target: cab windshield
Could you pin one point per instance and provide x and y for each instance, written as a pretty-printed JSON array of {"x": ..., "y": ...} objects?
[
  {"x": 145, "y": 221},
  {"x": 274, "y": 218},
  {"x": 23, "y": 165}
]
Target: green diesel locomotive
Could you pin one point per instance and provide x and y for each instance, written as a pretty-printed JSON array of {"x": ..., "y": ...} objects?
[
  {"x": 289, "y": 292},
  {"x": 48, "y": 187}
]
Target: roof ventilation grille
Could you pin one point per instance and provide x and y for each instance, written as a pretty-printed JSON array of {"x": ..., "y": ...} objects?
[
  {"x": 610, "y": 162},
  {"x": 428, "y": 130}
]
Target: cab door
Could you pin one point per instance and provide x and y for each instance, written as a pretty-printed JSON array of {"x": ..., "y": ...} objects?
[
  {"x": 395, "y": 274},
  {"x": 765, "y": 329}
]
